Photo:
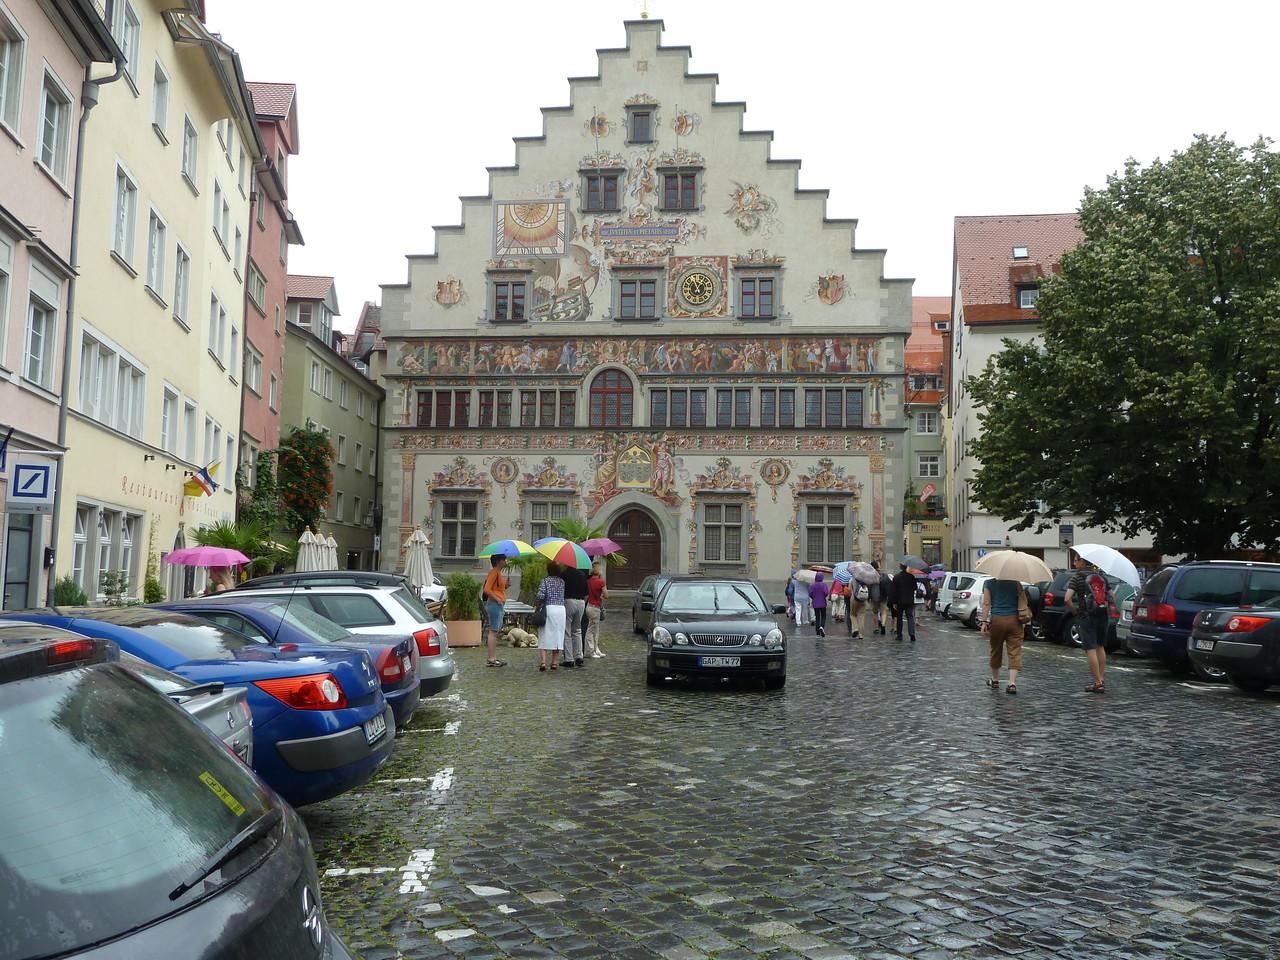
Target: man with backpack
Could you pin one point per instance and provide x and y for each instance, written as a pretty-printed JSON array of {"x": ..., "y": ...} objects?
[
  {"x": 879, "y": 597},
  {"x": 1089, "y": 598}
]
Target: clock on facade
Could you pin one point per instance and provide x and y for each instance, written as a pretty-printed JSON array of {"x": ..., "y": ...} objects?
[{"x": 699, "y": 290}]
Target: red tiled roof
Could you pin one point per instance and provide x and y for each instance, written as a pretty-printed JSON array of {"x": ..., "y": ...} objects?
[
  {"x": 925, "y": 349},
  {"x": 987, "y": 270},
  {"x": 309, "y": 288},
  {"x": 272, "y": 99}
]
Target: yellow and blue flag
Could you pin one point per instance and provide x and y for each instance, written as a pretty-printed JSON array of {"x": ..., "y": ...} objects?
[{"x": 202, "y": 482}]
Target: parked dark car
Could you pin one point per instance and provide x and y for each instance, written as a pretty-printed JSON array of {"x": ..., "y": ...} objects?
[
  {"x": 321, "y": 725},
  {"x": 1243, "y": 642},
  {"x": 648, "y": 590},
  {"x": 1055, "y": 623},
  {"x": 436, "y": 591},
  {"x": 395, "y": 656},
  {"x": 1172, "y": 596},
  {"x": 129, "y": 830},
  {"x": 704, "y": 627}
]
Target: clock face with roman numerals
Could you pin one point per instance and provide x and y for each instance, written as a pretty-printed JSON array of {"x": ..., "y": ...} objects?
[
  {"x": 698, "y": 287},
  {"x": 697, "y": 290}
]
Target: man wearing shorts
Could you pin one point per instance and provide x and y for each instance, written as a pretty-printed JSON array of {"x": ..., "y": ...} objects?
[
  {"x": 495, "y": 599},
  {"x": 1092, "y": 626}
]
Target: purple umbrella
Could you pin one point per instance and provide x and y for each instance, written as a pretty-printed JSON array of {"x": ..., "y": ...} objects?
[
  {"x": 207, "y": 557},
  {"x": 599, "y": 547}
]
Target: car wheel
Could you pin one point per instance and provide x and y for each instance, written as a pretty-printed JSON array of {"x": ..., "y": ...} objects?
[
  {"x": 1071, "y": 635},
  {"x": 775, "y": 683},
  {"x": 653, "y": 678},
  {"x": 972, "y": 622},
  {"x": 1209, "y": 674},
  {"x": 635, "y": 623},
  {"x": 1034, "y": 631},
  {"x": 1251, "y": 684}
]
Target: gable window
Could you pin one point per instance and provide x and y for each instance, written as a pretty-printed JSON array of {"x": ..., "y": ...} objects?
[
  {"x": 508, "y": 300},
  {"x": 638, "y": 299},
  {"x": 13, "y": 49},
  {"x": 611, "y": 399},
  {"x": 757, "y": 295},
  {"x": 927, "y": 423},
  {"x": 459, "y": 526},
  {"x": 833, "y": 407},
  {"x": 722, "y": 532},
  {"x": 777, "y": 407},
  {"x": 600, "y": 191},
  {"x": 1028, "y": 294},
  {"x": 824, "y": 532},
  {"x": 680, "y": 190},
  {"x": 640, "y": 124}
]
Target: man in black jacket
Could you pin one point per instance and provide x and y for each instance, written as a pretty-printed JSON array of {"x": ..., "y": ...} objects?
[{"x": 902, "y": 601}]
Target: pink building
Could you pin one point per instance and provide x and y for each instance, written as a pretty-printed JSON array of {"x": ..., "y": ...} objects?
[{"x": 266, "y": 286}]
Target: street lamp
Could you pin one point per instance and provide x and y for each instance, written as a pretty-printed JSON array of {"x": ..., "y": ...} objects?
[{"x": 1007, "y": 543}]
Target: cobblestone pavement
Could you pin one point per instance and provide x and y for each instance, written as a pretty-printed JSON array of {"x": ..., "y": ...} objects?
[{"x": 885, "y": 804}]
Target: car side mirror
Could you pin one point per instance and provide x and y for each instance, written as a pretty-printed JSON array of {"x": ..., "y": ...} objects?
[
  {"x": 646, "y": 605},
  {"x": 779, "y": 608}
]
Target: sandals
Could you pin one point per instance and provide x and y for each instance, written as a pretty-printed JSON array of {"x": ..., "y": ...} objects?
[
  {"x": 1011, "y": 688},
  {"x": 495, "y": 663},
  {"x": 993, "y": 684},
  {"x": 543, "y": 666},
  {"x": 1096, "y": 688}
]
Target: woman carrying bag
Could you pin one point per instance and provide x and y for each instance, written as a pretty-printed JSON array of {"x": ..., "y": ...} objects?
[{"x": 1004, "y": 611}]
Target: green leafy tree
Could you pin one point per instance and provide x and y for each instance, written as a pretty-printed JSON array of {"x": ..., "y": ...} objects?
[
  {"x": 1151, "y": 402},
  {"x": 304, "y": 478},
  {"x": 253, "y": 538},
  {"x": 260, "y": 501},
  {"x": 571, "y": 528}
]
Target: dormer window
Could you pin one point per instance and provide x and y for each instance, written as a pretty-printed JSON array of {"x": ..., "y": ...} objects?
[
  {"x": 1021, "y": 253},
  {"x": 1027, "y": 296},
  {"x": 641, "y": 119}
]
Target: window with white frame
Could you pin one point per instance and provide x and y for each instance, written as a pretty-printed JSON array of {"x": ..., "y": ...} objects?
[
  {"x": 1028, "y": 294},
  {"x": 41, "y": 341},
  {"x": 218, "y": 204},
  {"x": 124, "y": 216},
  {"x": 189, "y": 415},
  {"x": 342, "y": 394},
  {"x": 273, "y": 392},
  {"x": 542, "y": 516},
  {"x": 459, "y": 527},
  {"x": 55, "y": 127},
  {"x": 238, "y": 255},
  {"x": 256, "y": 287},
  {"x": 229, "y": 465},
  {"x": 373, "y": 461},
  {"x": 242, "y": 172},
  {"x": 825, "y": 531},
  {"x": 233, "y": 354},
  {"x": 80, "y": 548},
  {"x": 315, "y": 376},
  {"x": 112, "y": 385},
  {"x": 356, "y": 515},
  {"x": 160, "y": 101},
  {"x": 190, "y": 152},
  {"x": 342, "y": 450},
  {"x": 6, "y": 286},
  {"x": 358, "y": 461},
  {"x": 327, "y": 378},
  {"x": 360, "y": 404},
  {"x": 217, "y": 327},
  {"x": 126, "y": 27},
  {"x": 928, "y": 465},
  {"x": 249, "y": 462},
  {"x": 157, "y": 245},
  {"x": 723, "y": 532},
  {"x": 181, "y": 284},
  {"x": 252, "y": 368},
  {"x": 339, "y": 507},
  {"x": 169, "y": 421},
  {"x": 13, "y": 55},
  {"x": 212, "y": 440},
  {"x": 927, "y": 423}
]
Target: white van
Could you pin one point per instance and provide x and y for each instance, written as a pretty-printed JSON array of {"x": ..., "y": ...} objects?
[{"x": 954, "y": 582}]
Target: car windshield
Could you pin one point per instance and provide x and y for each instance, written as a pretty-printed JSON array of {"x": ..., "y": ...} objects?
[
  {"x": 727, "y": 598},
  {"x": 113, "y": 796}
]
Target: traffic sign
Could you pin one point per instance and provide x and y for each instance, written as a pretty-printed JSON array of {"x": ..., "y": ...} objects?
[
  {"x": 1066, "y": 534},
  {"x": 982, "y": 552},
  {"x": 31, "y": 489}
]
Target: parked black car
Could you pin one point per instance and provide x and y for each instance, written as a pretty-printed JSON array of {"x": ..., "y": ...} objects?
[
  {"x": 1244, "y": 642},
  {"x": 648, "y": 590},
  {"x": 130, "y": 830},
  {"x": 1172, "y": 596},
  {"x": 715, "y": 628},
  {"x": 1055, "y": 623}
]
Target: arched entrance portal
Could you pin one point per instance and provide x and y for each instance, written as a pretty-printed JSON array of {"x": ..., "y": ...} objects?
[{"x": 641, "y": 542}]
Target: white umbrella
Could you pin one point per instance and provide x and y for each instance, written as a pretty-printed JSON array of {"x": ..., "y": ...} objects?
[
  {"x": 1109, "y": 560},
  {"x": 417, "y": 559},
  {"x": 330, "y": 554},
  {"x": 805, "y": 576},
  {"x": 308, "y": 552},
  {"x": 1014, "y": 565}
]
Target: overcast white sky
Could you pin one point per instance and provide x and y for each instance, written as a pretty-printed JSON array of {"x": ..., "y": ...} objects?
[{"x": 910, "y": 114}]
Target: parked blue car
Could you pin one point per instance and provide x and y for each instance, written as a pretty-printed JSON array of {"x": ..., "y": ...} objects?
[
  {"x": 321, "y": 725},
  {"x": 271, "y": 620}
]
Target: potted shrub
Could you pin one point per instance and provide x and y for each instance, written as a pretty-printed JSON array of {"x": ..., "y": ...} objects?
[{"x": 462, "y": 609}]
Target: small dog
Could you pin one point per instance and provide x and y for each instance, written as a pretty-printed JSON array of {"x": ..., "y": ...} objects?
[{"x": 521, "y": 638}]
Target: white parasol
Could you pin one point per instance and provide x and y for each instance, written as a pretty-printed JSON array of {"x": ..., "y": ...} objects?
[
  {"x": 417, "y": 559},
  {"x": 1109, "y": 560},
  {"x": 309, "y": 558}
]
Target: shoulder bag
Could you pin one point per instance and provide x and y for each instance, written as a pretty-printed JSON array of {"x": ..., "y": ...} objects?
[{"x": 539, "y": 616}]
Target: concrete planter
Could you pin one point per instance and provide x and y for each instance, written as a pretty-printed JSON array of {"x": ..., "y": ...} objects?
[{"x": 465, "y": 633}]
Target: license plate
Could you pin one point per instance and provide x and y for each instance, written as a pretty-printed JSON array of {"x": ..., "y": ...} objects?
[
  {"x": 406, "y": 664},
  {"x": 720, "y": 661},
  {"x": 375, "y": 728},
  {"x": 1204, "y": 644}
]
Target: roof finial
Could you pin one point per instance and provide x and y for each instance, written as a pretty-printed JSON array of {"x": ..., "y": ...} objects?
[{"x": 644, "y": 11}]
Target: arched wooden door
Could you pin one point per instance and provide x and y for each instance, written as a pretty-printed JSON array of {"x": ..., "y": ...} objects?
[{"x": 638, "y": 536}]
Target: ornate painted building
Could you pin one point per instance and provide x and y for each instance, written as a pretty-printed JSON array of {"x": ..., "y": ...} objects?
[{"x": 648, "y": 325}]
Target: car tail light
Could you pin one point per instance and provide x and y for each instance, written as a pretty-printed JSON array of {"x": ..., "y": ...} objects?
[
  {"x": 1245, "y": 624},
  {"x": 428, "y": 642},
  {"x": 70, "y": 651},
  {"x": 316, "y": 691},
  {"x": 1049, "y": 598},
  {"x": 1159, "y": 613},
  {"x": 389, "y": 668},
  {"x": 963, "y": 595}
]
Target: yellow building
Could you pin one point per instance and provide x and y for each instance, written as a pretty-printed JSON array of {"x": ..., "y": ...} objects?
[{"x": 156, "y": 337}]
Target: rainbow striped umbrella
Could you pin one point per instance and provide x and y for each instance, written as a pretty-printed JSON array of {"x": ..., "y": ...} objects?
[
  {"x": 563, "y": 551},
  {"x": 507, "y": 548}
]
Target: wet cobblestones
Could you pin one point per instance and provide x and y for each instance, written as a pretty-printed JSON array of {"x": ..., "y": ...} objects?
[{"x": 884, "y": 805}]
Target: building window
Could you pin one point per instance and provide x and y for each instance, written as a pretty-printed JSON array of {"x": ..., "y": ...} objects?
[
  {"x": 509, "y": 300},
  {"x": 638, "y": 299},
  {"x": 360, "y": 404},
  {"x": 315, "y": 376},
  {"x": 339, "y": 507},
  {"x": 722, "y": 532},
  {"x": 327, "y": 380},
  {"x": 444, "y": 408},
  {"x": 495, "y": 408},
  {"x": 600, "y": 192},
  {"x": 1027, "y": 297},
  {"x": 257, "y": 289},
  {"x": 358, "y": 461},
  {"x": 342, "y": 394},
  {"x": 927, "y": 423},
  {"x": 190, "y": 152},
  {"x": 824, "y": 532},
  {"x": 157, "y": 246},
  {"x": 6, "y": 283},
  {"x": 238, "y": 256},
  {"x": 160, "y": 102},
  {"x": 639, "y": 125},
  {"x": 125, "y": 27},
  {"x": 918, "y": 382},
  {"x": 253, "y": 368},
  {"x": 733, "y": 407},
  {"x": 568, "y": 407},
  {"x": 221, "y": 215},
  {"x": 680, "y": 190},
  {"x": 189, "y": 415},
  {"x": 79, "y": 552},
  {"x": 13, "y": 50},
  {"x": 169, "y": 421},
  {"x": 756, "y": 298},
  {"x": 125, "y": 216},
  {"x": 832, "y": 407},
  {"x": 217, "y": 327},
  {"x": 611, "y": 398},
  {"x": 459, "y": 527},
  {"x": 1021, "y": 253},
  {"x": 678, "y": 407},
  {"x": 242, "y": 172},
  {"x": 342, "y": 450},
  {"x": 928, "y": 465},
  {"x": 777, "y": 407},
  {"x": 233, "y": 355},
  {"x": 547, "y": 408},
  {"x": 55, "y": 128},
  {"x": 181, "y": 284},
  {"x": 542, "y": 514},
  {"x": 38, "y": 353},
  {"x": 273, "y": 392},
  {"x": 113, "y": 387}
]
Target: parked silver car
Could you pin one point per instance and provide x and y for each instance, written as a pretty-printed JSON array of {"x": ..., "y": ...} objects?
[{"x": 954, "y": 582}]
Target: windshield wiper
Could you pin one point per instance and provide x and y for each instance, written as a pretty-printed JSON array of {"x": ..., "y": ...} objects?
[{"x": 237, "y": 844}]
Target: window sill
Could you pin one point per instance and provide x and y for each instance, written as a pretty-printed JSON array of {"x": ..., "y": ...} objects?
[
  {"x": 186, "y": 175},
  {"x": 182, "y": 323},
  {"x": 160, "y": 135},
  {"x": 695, "y": 209},
  {"x": 591, "y": 212},
  {"x": 125, "y": 264},
  {"x": 155, "y": 296},
  {"x": 53, "y": 178},
  {"x": 217, "y": 359}
]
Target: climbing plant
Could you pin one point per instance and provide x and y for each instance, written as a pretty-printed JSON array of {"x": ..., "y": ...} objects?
[{"x": 304, "y": 478}]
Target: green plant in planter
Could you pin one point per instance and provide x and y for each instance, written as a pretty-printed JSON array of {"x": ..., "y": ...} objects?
[
  {"x": 464, "y": 596},
  {"x": 67, "y": 593}
]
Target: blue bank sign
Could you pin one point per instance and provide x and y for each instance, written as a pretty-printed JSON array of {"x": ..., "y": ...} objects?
[{"x": 31, "y": 486}]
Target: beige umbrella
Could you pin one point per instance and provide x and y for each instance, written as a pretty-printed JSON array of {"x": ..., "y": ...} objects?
[
  {"x": 417, "y": 559},
  {"x": 309, "y": 553},
  {"x": 330, "y": 554},
  {"x": 1014, "y": 565}
]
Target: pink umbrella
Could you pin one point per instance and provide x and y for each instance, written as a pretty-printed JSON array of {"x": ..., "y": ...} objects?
[
  {"x": 207, "y": 557},
  {"x": 599, "y": 547}
]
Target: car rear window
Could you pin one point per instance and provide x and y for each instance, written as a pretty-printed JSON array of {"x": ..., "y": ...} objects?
[
  {"x": 1154, "y": 586},
  {"x": 113, "y": 796},
  {"x": 961, "y": 583},
  {"x": 350, "y": 609},
  {"x": 1219, "y": 586},
  {"x": 411, "y": 603},
  {"x": 1264, "y": 585}
]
